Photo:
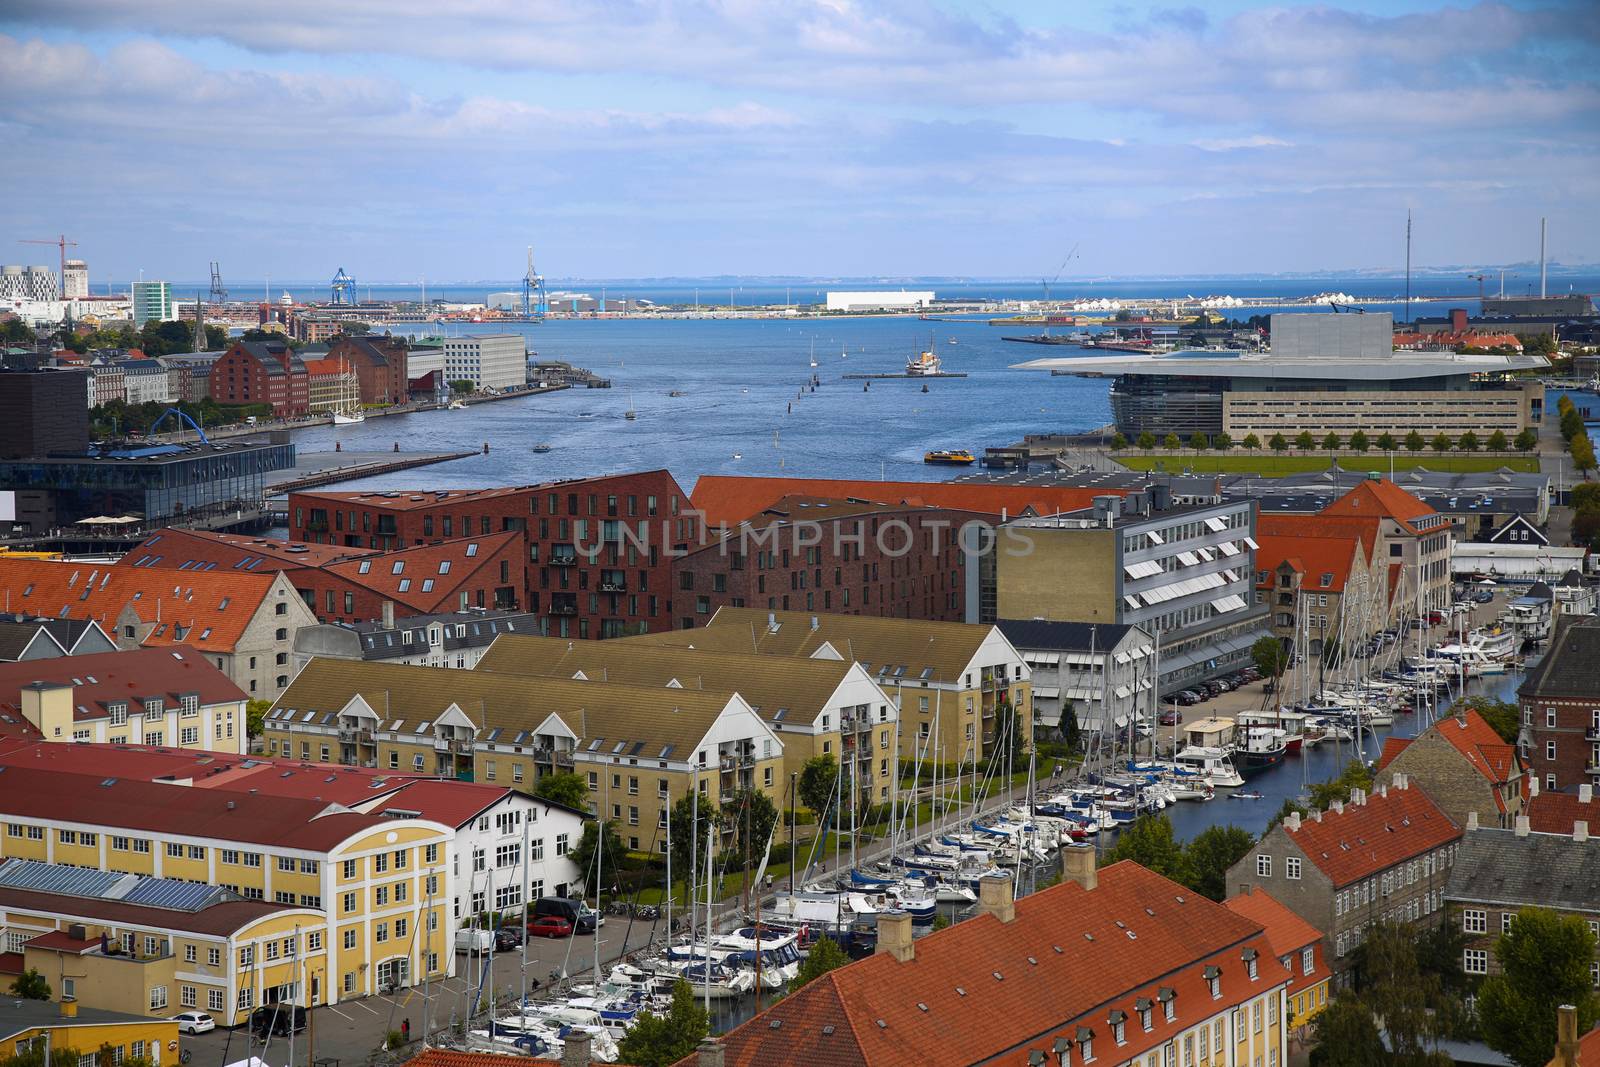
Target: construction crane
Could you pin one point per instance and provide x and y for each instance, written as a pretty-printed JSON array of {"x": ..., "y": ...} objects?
[
  {"x": 1052, "y": 281},
  {"x": 1480, "y": 279},
  {"x": 1348, "y": 309},
  {"x": 343, "y": 289},
  {"x": 60, "y": 242},
  {"x": 219, "y": 295},
  {"x": 535, "y": 301}
]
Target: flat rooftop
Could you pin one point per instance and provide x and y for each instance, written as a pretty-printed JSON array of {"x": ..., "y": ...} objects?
[{"x": 1401, "y": 366}]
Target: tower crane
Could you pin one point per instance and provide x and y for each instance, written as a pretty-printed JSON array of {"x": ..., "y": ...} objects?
[
  {"x": 63, "y": 244},
  {"x": 1052, "y": 281}
]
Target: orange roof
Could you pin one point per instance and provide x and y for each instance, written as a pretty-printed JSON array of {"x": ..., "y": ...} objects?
[
  {"x": 1486, "y": 750},
  {"x": 1392, "y": 747},
  {"x": 432, "y": 573},
  {"x": 1362, "y": 528},
  {"x": 325, "y": 366},
  {"x": 1554, "y": 813},
  {"x": 1589, "y": 1049},
  {"x": 1387, "y": 827},
  {"x": 206, "y": 550},
  {"x": 731, "y": 500},
  {"x": 984, "y": 991},
  {"x": 1383, "y": 498},
  {"x": 1287, "y": 933},
  {"x": 206, "y": 609},
  {"x": 1315, "y": 558}
]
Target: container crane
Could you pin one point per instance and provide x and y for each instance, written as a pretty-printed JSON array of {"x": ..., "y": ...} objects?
[
  {"x": 219, "y": 295},
  {"x": 1052, "y": 281},
  {"x": 535, "y": 301},
  {"x": 63, "y": 244},
  {"x": 342, "y": 289},
  {"x": 1480, "y": 279}
]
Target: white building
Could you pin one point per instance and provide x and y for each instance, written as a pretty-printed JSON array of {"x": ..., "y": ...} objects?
[
  {"x": 1105, "y": 671},
  {"x": 146, "y": 380},
  {"x": 28, "y": 283},
  {"x": 75, "y": 279},
  {"x": 899, "y": 300},
  {"x": 488, "y": 361}
]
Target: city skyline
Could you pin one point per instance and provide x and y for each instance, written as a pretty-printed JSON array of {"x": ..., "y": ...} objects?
[{"x": 820, "y": 140}]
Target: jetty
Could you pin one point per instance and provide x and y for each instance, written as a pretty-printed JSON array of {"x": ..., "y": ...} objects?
[{"x": 903, "y": 374}]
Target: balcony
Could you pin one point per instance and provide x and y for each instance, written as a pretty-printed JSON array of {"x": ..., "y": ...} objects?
[
  {"x": 563, "y": 609},
  {"x": 1592, "y": 733},
  {"x": 613, "y": 587},
  {"x": 356, "y": 734},
  {"x": 1593, "y": 769},
  {"x": 563, "y": 560},
  {"x": 461, "y": 746}
]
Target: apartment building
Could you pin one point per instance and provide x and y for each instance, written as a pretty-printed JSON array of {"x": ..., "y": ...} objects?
[
  {"x": 819, "y": 707},
  {"x": 1320, "y": 590},
  {"x": 1117, "y": 966},
  {"x": 1416, "y": 541},
  {"x": 1467, "y": 768},
  {"x": 32, "y": 1024},
  {"x": 25, "y": 638},
  {"x": 1383, "y": 857},
  {"x": 488, "y": 361},
  {"x": 1499, "y": 872},
  {"x": 382, "y": 884},
  {"x": 950, "y": 681},
  {"x": 640, "y": 748},
  {"x": 157, "y": 696},
  {"x": 452, "y": 639},
  {"x": 379, "y": 363},
  {"x": 1560, "y": 704},
  {"x": 1104, "y": 672},
  {"x": 1298, "y": 946},
  {"x": 156, "y": 946},
  {"x": 242, "y": 622},
  {"x": 1185, "y": 571},
  {"x": 262, "y": 372}
]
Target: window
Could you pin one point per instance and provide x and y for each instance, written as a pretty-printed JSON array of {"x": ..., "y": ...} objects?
[
  {"x": 350, "y": 938},
  {"x": 1263, "y": 865},
  {"x": 187, "y": 996},
  {"x": 1505, "y": 922},
  {"x": 213, "y": 957},
  {"x": 349, "y": 869},
  {"x": 1475, "y": 961},
  {"x": 1291, "y": 867},
  {"x": 214, "y": 999},
  {"x": 1307, "y": 961},
  {"x": 1474, "y": 921}
]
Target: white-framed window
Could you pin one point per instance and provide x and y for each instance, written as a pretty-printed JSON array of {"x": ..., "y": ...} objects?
[
  {"x": 215, "y": 999},
  {"x": 1291, "y": 866},
  {"x": 1474, "y": 921},
  {"x": 188, "y": 996},
  {"x": 158, "y": 997},
  {"x": 1505, "y": 921},
  {"x": 1308, "y": 960},
  {"x": 1263, "y": 865},
  {"x": 1475, "y": 961}
]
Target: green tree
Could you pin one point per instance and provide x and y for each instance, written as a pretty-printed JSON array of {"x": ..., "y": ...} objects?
[
  {"x": 32, "y": 1055},
  {"x": 462, "y": 386},
  {"x": 1251, "y": 441},
  {"x": 1331, "y": 442},
  {"x": 689, "y": 835},
  {"x": 563, "y": 787},
  {"x": 819, "y": 782},
  {"x": 1304, "y": 441},
  {"x": 1468, "y": 442},
  {"x": 1147, "y": 440},
  {"x": 1563, "y": 404},
  {"x": 1199, "y": 442},
  {"x": 1585, "y": 497},
  {"x": 1415, "y": 442},
  {"x": 1497, "y": 441},
  {"x": 1206, "y": 859},
  {"x": 255, "y": 716},
  {"x": 1386, "y": 442},
  {"x": 1222, "y": 441},
  {"x": 17, "y": 332},
  {"x": 1543, "y": 344},
  {"x": 1544, "y": 962},
  {"x": 1571, "y": 423},
  {"x": 660, "y": 1040},
  {"x": 825, "y": 955},
  {"x": 582, "y": 855},
  {"x": 216, "y": 338},
  {"x": 1118, "y": 442},
  {"x": 1071, "y": 733},
  {"x": 1346, "y": 1035},
  {"x": 1441, "y": 442},
  {"x": 1171, "y": 442},
  {"x": 1149, "y": 842},
  {"x": 1527, "y": 440},
  {"x": 1277, "y": 443},
  {"x": 1359, "y": 442},
  {"x": 1356, "y": 775},
  {"x": 1269, "y": 656},
  {"x": 30, "y": 985},
  {"x": 1412, "y": 1002},
  {"x": 1583, "y": 453},
  {"x": 750, "y": 829}
]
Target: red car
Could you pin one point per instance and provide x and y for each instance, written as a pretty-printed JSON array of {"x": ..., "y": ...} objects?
[{"x": 550, "y": 926}]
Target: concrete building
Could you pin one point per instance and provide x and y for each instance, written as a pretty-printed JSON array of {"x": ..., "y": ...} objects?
[
  {"x": 1323, "y": 374},
  {"x": 872, "y": 300},
  {"x": 1560, "y": 703},
  {"x": 1382, "y": 857},
  {"x": 152, "y": 300},
  {"x": 1104, "y": 672},
  {"x": 1119, "y": 966},
  {"x": 75, "y": 280},
  {"x": 146, "y": 381},
  {"x": 455, "y": 639},
  {"x": 1467, "y": 768},
  {"x": 29, "y": 283},
  {"x": 1185, "y": 572},
  {"x": 488, "y": 361}
]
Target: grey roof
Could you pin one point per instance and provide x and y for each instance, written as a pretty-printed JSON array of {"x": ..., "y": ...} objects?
[
  {"x": 1062, "y": 636},
  {"x": 171, "y": 893},
  {"x": 378, "y": 643},
  {"x": 1571, "y": 667},
  {"x": 1402, "y": 366},
  {"x": 17, "y": 634},
  {"x": 1544, "y": 870},
  {"x": 23, "y": 1015}
]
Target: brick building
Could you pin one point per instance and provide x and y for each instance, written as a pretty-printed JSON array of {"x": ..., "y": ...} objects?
[
  {"x": 1466, "y": 767},
  {"x": 847, "y": 557},
  {"x": 380, "y": 365},
  {"x": 598, "y": 551},
  {"x": 1560, "y": 703},
  {"x": 1558, "y": 813},
  {"x": 1339, "y": 581},
  {"x": 1382, "y": 857},
  {"x": 262, "y": 372}
]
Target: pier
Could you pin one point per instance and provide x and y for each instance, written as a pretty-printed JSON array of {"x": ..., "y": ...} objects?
[
  {"x": 313, "y": 469},
  {"x": 902, "y": 374}
]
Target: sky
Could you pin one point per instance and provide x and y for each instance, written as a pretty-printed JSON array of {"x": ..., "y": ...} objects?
[{"x": 818, "y": 138}]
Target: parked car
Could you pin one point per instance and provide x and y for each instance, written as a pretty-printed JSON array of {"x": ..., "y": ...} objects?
[
  {"x": 194, "y": 1022},
  {"x": 549, "y": 926},
  {"x": 1170, "y": 717},
  {"x": 281, "y": 1019},
  {"x": 1483, "y": 596},
  {"x": 576, "y": 912},
  {"x": 474, "y": 940},
  {"x": 507, "y": 938},
  {"x": 1435, "y": 618}
]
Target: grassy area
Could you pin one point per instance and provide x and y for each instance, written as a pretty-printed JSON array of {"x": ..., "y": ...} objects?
[{"x": 1270, "y": 464}]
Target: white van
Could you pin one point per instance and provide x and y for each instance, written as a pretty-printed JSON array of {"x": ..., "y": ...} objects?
[{"x": 471, "y": 940}]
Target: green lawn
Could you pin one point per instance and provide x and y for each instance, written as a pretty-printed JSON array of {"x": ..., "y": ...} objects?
[{"x": 1270, "y": 464}]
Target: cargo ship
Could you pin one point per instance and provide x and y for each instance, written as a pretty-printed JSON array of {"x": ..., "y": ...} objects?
[{"x": 957, "y": 456}]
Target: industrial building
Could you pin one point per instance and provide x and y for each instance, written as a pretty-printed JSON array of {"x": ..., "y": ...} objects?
[
  {"x": 898, "y": 300},
  {"x": 1323, "y": 374}
]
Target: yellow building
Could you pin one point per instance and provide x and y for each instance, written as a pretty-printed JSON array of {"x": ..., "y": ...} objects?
[
  {"x": 820, "y": 707},
  {"x": 28, "y": 1024},
  {"x": 641, "y": 748},
  {"x": 1298, "y": 946},
  {"x": 949, "y": 680},
  {"x": 380, "y": 885}
]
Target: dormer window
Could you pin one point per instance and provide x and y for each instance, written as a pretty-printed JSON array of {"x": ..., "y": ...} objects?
[
  {"x": 1085, "y": 1039},
  {"x": 1213, "y": 976},
  {"x": 1118, "y": 1021},
  {"x": 1169, "y": 1002},
  {"x": 1249, "y": 957},
  {"x": 1146, "y": 1009},
  {"x": 119, "y": 712}
]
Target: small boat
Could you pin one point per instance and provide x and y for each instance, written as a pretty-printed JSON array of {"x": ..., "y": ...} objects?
[
  {"x": 676, "y": 392},
  {"x": 952, "y": 341},
  {"x": 1247, "y": 794},
  {"x": 813, "y": 353},
  {"x": 456, "y": 405},
  {"x": 542, "y": 446},
  {"x": 956, "y": 456},
  {"x": 630, "y": 414}
]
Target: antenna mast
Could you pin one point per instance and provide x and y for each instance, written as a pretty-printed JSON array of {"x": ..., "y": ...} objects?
[{"x": 1408, "y": 265}]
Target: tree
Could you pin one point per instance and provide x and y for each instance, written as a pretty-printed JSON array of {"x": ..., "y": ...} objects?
[
  {"x": 819, "y": 780},
  {"x": 1147, "y": 440},
  {"x": 1412, "y": 1002},
  {"x": 689, "y": 834},
  {"x": 32, "y": 1055},
  {"x": 1526, "y": 440},
  {"x": 659, "y": 1040},
  {"x": 582, "y": 854},
  {"x": 30, "y": 985},
  {"x": 1571, "y": 424},
  {"x": 1270, "y": 657},
  {"x": 1386, "y": 442},
  {"x": 1440, "y": 442},
  {"x": 563, "y": 787},
  {"x": 1543, "y": 344},
  {"x": 462, "y": 386},
  {"x": 1222, "y": 442},
  {"x": 1359, "y": 442},
  {"x": 1208, "y": 857},
  {"x": 1251, "y": 441},
  {"x": 825, "y": 955},
  {"x": 1583, "y": 453},
  {"x": 1331, "y": 442},
  {"x": 1304, "y": 441},
  {"x": 1346, "y": 1035},
  {"x": 1467, "y": 442},
  {"x": 216, "y": 338},
  {"x": 1149, "y": 842},
  {"x": 1544, "y": 962},
  {"x": 752, "y": 829},
  {"x": 1118, "y": 442},
  {"x": 1277, "y": 443},
  {"x": 17, "y": 332},
  {"x": 1199, "y": 442},
  {"x": 1415, "y": 442},
  {"x": 1071, "y": 734},
  {"x": 1356, "y": 775},
  {"x": 1171, "y": 442},
  {"x": 255, "y": 716},
  {"x": 1497, "y": 441}
]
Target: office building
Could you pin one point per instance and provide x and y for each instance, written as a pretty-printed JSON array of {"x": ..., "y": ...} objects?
[
  {"x": 878, "y": 300},
  {"x": 489, "y": 361},
  {"x": 1102, "y": 671},
  {"x": 42, "y": 413},
  {"x": 28, "y": 284},
  {"x": 152, "y": 300}
]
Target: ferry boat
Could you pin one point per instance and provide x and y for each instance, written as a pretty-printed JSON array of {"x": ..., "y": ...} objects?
[
  {"x": 954, "y": 456},
  {"x": 1261, "y": 748},
  {"x": 923, "y": 365}
]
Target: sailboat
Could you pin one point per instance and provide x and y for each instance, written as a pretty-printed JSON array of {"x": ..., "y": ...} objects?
[
  {"x": 813, "y": 353},
  {"x": 348, "y": 412},
  {"x": 630, "y": 414}
]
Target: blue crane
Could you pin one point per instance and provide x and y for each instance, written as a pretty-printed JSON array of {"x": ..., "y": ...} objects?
[
  {"x": 535, "y": 301},
  {"x": 343, "y": 289}
]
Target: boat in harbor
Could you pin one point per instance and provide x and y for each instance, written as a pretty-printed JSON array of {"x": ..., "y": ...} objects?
[
  {"x": 951, "y": 456},
  {"x": 1259, "y": 748},
  {"x": 923, "y": 365},
  {"x": 542, "y": 446},
  {"x": 349, "y": 411}
]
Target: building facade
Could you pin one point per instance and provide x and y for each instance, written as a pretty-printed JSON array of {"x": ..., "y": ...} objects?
[
  {"x": 1467, "y": 768},
  {"x": 1298, "y": 946},
  {"x": 145, "y": 381},
  {"x": 152, "y": 300},
  {"x": 42, "y": 412},
  {"x": 455, "y": 639},
  {"x": 380, "y": 364},
  {"x": 1560, "y": 704},
  {"x": 1104, "y": 673},
  {"x": 1320, "y": 590},
  {"x": 489, "y": 361},
  {"x": 262, "y": 372}
]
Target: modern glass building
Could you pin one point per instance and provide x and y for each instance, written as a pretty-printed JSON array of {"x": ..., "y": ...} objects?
[{"x": 152, "y": 300}]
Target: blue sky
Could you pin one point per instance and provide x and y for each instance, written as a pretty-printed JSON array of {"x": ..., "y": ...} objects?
[{"x": 813, "y": 137}]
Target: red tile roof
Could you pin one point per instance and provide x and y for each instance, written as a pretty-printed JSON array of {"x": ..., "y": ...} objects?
[
  {"x": 1589, "y": 1049},
  {"x": 1311, "y": 558},
  {"x": 129, "y": 677},
  {"x": 987, "y": 991},
  {"x": 454, "y": 803},
  {"x": 327, "y": 367},
  {"x": 180, "y": 547},
  {"x": 1554, "y": 813},
  {"x": 1486, "y": 750},
  {"x": 1372, "y": 836},
  {"x": 1288, "y": 933},
  {"x": 1392, "y": 747},
  {"x": 731, "y": 500},
  {"x": 1365, "y": 528},
  {"x": 421, "y": 563},
  {"x": 61, "y": 941},
  {"x": 1381, "y": 497}
]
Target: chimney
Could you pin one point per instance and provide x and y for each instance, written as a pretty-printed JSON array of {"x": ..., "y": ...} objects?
[
  {"x": 1292, "y": 823},
  {"x": 1382, "y": 790},
  {"x": 1458, "y": 320},
  {"x": 1358, "y": 797},
  {"x": 1317, "y": 815},
  {"x": 69, "y": 1007},
  {"x": 1533, "y": 786},
  {"x": 1580, "y": 830},
  {"x": 1523, "y": 826},
  {"x": 1585, "y": 793},
  {"x": 894, "y": 936},
  {"x": 1566, "y": 1037},
  {"x": 388, "y": 614},
  {"x": 709, "y": 1054},
  {"x": 1337, "y": 807},
  {"x": 575, "y": 1049},
  {"x": 1077, "y": 864},
  {"x": 1401, "y": 781},
  {"x": 1472, "y": 820},
  {"x": 995, "y": 897}
]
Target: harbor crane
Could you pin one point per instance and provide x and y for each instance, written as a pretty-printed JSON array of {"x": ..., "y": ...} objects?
[
  {"x": 1347, "y": 309},
  {"x": 63, "y": 244},
  {"x": 342, "y": 289},
  {"x": 1052, "y": 281},
  {"x": 219, "y": 295},
  {"x": 1480, "y": 279},
  {"x": 535, "y": 301}
]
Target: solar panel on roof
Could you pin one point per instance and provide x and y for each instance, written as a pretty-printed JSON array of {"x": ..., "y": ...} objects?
[
  {"x": 56, "y": 878},
  {"x": 174, "y": 894}
]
